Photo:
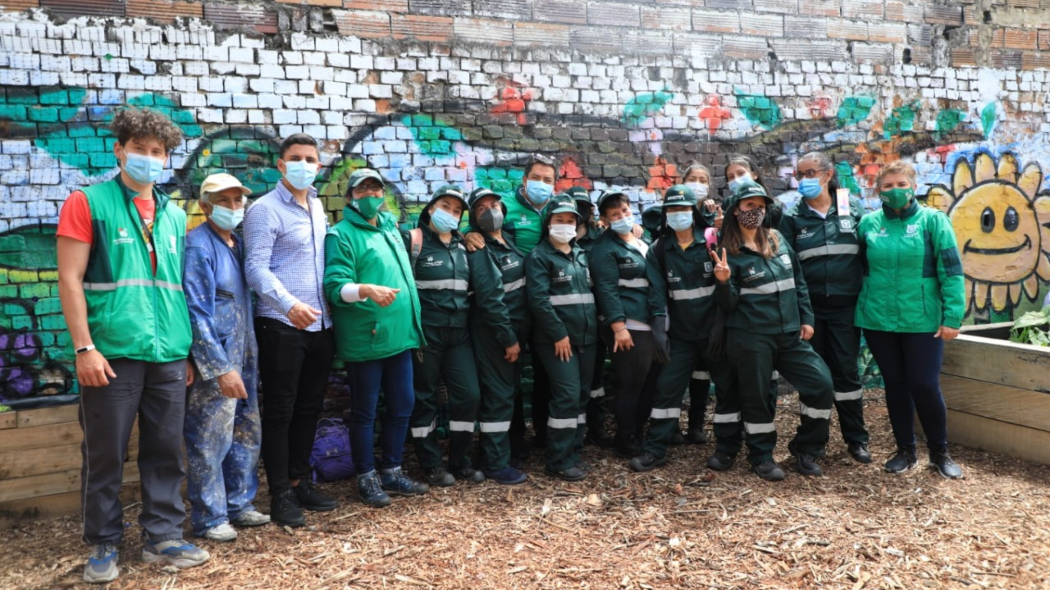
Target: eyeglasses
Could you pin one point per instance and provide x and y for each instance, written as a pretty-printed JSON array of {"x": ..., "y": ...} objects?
[{"x": 811, "y": 173}]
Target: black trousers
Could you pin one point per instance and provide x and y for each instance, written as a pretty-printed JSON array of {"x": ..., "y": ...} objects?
[{"x": 293, "y": 366}]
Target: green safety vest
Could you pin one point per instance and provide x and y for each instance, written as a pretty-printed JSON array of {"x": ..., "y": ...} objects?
[{"x": 133, "y": 312}]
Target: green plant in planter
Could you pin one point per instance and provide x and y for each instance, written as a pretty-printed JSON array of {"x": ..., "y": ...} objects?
[{"x": 1032, "y": 328}]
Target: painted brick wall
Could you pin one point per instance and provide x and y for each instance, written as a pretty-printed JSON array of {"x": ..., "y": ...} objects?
[{"x": 437, "y": 91}]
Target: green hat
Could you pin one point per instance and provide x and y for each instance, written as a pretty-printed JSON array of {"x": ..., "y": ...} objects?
[
  {"x": 609, "y": 194},
  {"x": 579, "y": 194},
  {"x": 679, "y": 194},
  {"x": 561, "y": 203},
  {"x": 358, "y": 176},
  {"x": 653, "y": 219},
  {"x": 751, "y": 189},
  {"x": 449, "y": 190}
]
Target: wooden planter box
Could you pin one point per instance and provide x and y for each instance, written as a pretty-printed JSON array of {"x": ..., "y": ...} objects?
[
  {"x": 40, "y": 464},
  {"x": 998, "y": 393}
]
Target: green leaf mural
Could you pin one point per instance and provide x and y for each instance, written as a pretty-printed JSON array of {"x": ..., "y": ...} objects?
[
  {"x": 759, "y": 109},
  {"x": 947, "y": 121},
  {"x": 844, "y": 172},
  {"x": 500, "y": 180},
  {"x": 855, "y": 109},
  {"x": 643, "y": 106},
  {"x": 988, "y": 117},
  {"x": 902, "y": 119}
]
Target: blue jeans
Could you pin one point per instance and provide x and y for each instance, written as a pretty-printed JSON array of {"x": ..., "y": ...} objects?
[
  {"x": 394, "y": 374},
  {"x": 911, "y": 368}
]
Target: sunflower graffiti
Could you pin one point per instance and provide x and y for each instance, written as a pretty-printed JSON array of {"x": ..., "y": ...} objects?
[{"x": 1002, "y": 223}]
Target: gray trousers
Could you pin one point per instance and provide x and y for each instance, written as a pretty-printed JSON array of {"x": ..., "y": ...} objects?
[{"x": 156, "y": 394}]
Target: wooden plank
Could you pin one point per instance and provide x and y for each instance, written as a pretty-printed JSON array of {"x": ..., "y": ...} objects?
[
  {"x": 997, "y": 402},
  {"x": 998, "y": 361},
  {"x": 17, "y": 464},
  {"x": 994, "y": 436},
  {"x": 15, "y": 439},
  {"x": 55, "y": 505},
  {"x": 45, "y": 416},
  {"x": 8, "y": 420},
  {"x": 52, "y": 483}
]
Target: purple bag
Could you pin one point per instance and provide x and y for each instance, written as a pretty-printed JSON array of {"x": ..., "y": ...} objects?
[{"x": 331, "y": 459}]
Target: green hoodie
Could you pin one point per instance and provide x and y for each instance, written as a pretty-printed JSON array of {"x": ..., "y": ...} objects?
[
  {"x": 358, "y": 252},
  {"x": 913, "y": 277}
]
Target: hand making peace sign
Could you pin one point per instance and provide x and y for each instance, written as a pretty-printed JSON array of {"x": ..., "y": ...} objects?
[{"x": 721, "y": 266}]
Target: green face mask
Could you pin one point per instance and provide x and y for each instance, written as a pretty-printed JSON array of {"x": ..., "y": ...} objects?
[
  {"x": 367, "y": 206},
  {"x": 897, "y": 198}
]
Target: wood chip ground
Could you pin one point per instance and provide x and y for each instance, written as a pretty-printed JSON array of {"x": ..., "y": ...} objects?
[{"x": 680, "y": 526}]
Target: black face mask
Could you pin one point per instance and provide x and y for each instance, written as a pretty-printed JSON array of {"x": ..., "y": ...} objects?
[{"x": 490, "y": 220}]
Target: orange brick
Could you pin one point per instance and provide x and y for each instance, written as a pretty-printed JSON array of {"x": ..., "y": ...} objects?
[
  {"x": 19, "y": 5},
  {"x": 1031, "y": 60},
  {"x": 338, "y": 3},
  {"x": 424, "y": 28},
  {"x": 540, "y": 34},
  {"x": 888, "y": 32},
  {"x": 820, "y": 8},
  {"x": 483, "y": 30},
  {"x": 840, "y": 28},
  {"x": 767, "y": 25},
  {"x": 678, "y": 19},
  {"x": 1044, "y": 40},
  {"x": 1021, "y": 39},
  {"x": 363, "y": 23},
  {"x": 164, "y": 10},
  {"x": 963, "y": 57},
  {"x": 384, "y": 5},
  {"x": 716, "y": 21}
]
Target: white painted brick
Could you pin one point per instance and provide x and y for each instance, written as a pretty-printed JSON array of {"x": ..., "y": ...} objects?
[
  {"x": 195, "y": 68},
  {"x": 220, "y": 99},
  {"x": 73, "y": 79},
  {"x": 131, "y": 82},
  {"x": 209, "y": 115},
  {"x": 349, "y": 45},
  {"x": 385, "y": 63},
  {"x": 357, "y": 91},
  {"x": 307, "y": 87},
  {"x": 297, "y": 72},
  {"x": 286, "y": 87},
  {"x": 316, "y": 131},
  {"x": 281, "y": 117},
  {"x": 338, "y": 60},
  {"x": 302, "y": 41},
  {"x": 245, "y": 101},
  {"x": 211, "y": 84},
  {"x": 193, "y": 99},
  {"x": 317, "y": 103},
  {"x": 252, "y": 70},
  {"x": 361, "y": 62},
  {"x": 223, "y": 67},
  {"x": 390, "y": 77},
  {"x": 335, "y": 88},
  {"x": 235, "y": 85},
  {"x": 158, "y": 83},
  {"x": 379, "y": 91},
  {"x": 238, "y": 54},
  {"x": 314, "y": 58},
  {"x": 322, "y": 73},
  {"x": 44, "y": 78},
  {"x": 236, "y": 116},
  {"x": 257, "y": 117},
  {"x": 143, "y": 66}
]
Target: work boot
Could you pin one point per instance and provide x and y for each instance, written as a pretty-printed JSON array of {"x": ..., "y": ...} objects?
[
  {"x": 469, "y": 474},
  {"x": 646, "y": 461},
  {"x": 570, "y": 474},
  {"x": 902, "y": 461},
  {"x": 599, "y": 437},
  {"x": 720, "y": 461},
  {"x": 371, "y": 491},
  {"x": 804, "y": 462},
  {"x": 945, "y": 466},
  {"x": 438, "y": 477},
  {"x": 677, "y": 438},
  {"x": 396, "y": 483},
  {"x": 859, "y": 452},
  {"x": 697, "y": 436},
  {"x": 768, "y": 471},
  {"x": 285, "y": 510},
  {"x": 310, "y": 498}
]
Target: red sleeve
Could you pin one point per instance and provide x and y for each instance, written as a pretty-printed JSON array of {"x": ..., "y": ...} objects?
[{"x": 74, "y": 221}]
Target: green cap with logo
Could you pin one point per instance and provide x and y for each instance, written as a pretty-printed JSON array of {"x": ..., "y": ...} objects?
[
  {"x": 679, "y": 194},
  {"x": 561, "y": 203},
  {"x": 361, "y": 174},
  {"x": 748, "y": 190},
  {"x": 579, "y": 194}
]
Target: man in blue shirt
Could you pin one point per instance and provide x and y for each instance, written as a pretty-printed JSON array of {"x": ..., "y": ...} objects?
[{"x": 284, "y": 235}]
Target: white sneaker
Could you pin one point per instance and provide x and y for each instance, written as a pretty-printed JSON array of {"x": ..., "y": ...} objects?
[
  {"x": 101, "y": 567},
  {"x": 175, "y": 552},
  {"x": 252, "y": 518},
  {"x": 222, "y": 532}
]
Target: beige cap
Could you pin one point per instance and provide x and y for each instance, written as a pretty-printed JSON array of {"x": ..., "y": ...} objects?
[{"x": 216, "y": 183}]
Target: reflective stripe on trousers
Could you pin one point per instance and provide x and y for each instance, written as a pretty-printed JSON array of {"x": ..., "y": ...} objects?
[
  {"x": 489, "y": 427},
  {"x": 596, "y": 393},
  {"x": 456, "y": 426},
  {"x": 665, "y": 413},
  {"x": 726, "y": 418},
  {"x": 562, "y": 422},
  {"x": 813, "y": 412},
  {"x": 845, "y": 396},
  {"x": 759, "y": 428},
  {"x": 634, "y": 283},
  {"x": 424, "y": 431},
  {"x": 702, "y": 375}
]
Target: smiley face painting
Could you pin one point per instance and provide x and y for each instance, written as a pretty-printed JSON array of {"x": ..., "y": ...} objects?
[{"x": 1002, "y": 223}]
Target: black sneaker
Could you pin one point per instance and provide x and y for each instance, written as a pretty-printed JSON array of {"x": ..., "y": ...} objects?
[
  {"x": 311, "y": 499},
  {"x": 570, "y": 474},
  {"x": 945, "y": 466},
  {"x": 677, "y": 438},
  {"x": 768, "y": 471},
  {"x": 721, "y": 461},
  {"x": 438, "y": 477},
  {"x": 469, "y": 474},
  {"x": 646, "y": 461},
  {"x": 697, "y": 436},
  {"x": 859, "y": 452},
  {"x": 371, "y": 492},
  {"x": 508, "y": 476},
  {"x": 804, "y": 462},
  {"x": 395, "y": 482},
  {"x": 285, "y": 511},
  {"x": 902, "y": 461}
]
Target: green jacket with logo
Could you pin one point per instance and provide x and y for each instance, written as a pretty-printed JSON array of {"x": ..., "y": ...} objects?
[
  {"x": 523, "y": 222},
  {"x": 559, "y": 293},
  {"x": 589, "y": 239},
  {"x": 682, "y": 285},
  {"x": 497, "y": 277},
  {"x": 765, "y": 295},
  {"x": 913, "y": 277},
  {"x": 828, "y": 250},
  {"x": 442, "y": 279},
  {"x": 134, "y": 312},
  {"x": 358, "y": 252},
  {"x": 620, "y": 282}
]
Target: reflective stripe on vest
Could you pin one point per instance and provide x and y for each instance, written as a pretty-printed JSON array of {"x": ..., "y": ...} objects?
[
  {"x": 770, "y": 288},
  {"x": 845, "y": 396},
  {"x": 513, "y": 285},
  {"x": 759, "y": 428},
  {"x": 455, "y": 426},
  {"x": 573, "y": 299},
  {"x": 132, "y": 283},
  {"x": 450, "y": 284},
  {"x": 813, "y": 412},
  {"x": 634, "y": 283},
  {"x": 680, "y": 294},
  {"x": 727, "y": 418},
  {"x": 829, "y": 250},
  {"x": 665, "y": 413},
  {"x": 490, "y": 427}
]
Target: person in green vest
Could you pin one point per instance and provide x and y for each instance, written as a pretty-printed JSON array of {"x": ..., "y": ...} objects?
[
  {"x": 443, "y": 279},
  {"x": 769, "y": 324},
  {"x": 120, "y": 264},
  {"x": 681, "y": 310},
  {"x": 499, "y": 324},
  {"x": 369, "y": 286},
  {"x": 912, "y": 302},
  {"x": 822, "y": 230},
  {"x": 565, "y": 334}
]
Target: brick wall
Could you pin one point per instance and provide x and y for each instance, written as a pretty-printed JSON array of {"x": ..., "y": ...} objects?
[{"x": 437, "y": 91}]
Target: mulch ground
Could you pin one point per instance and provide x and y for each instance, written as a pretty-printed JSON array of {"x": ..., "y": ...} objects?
[{"x": 679, "y": 526}]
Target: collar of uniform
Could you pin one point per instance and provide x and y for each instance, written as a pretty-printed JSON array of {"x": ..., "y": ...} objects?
[
  {"x": 354, "y": 217},
  {"x": 574, "y": 251},
  {"x": 287, "y": 196},
  {"x": 698, "y": 239},
  {"x": 906, "y": 213}
]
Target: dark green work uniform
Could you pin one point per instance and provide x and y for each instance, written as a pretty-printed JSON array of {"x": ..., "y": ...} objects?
[
  {"x": 443, "y": 278},
  {"x": 828, "y": 251},
  {"x": 499, "y": 319},
  {"x": 562, "y": 304},
  {"x": 596, "y": 405},
  {"x": 767, "y": 302}
]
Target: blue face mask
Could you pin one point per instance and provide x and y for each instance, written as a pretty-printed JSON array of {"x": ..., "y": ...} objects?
[
  {"x": 539, "y": 192},
  {"x": 444, "y": 222},
  {"x": 300, "y": 174},
  {"x": 810, "y": 188},
  {"x": 225, "y": 218},
  {"x": 143, "y": 169},
  {"x": 740, "y": 182},
  {"x": 623, "y": 226},
  {"x": 680, "y": 220}
]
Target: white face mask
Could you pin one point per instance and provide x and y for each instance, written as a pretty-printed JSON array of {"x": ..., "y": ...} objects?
[
  {"x": 700, "y": 190},
  {"x": 563, "y": 233}
]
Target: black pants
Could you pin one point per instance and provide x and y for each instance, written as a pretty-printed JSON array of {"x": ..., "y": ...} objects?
[
  {"x": 636, "y": 375},
  {"x": 294, "y": 366}
]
